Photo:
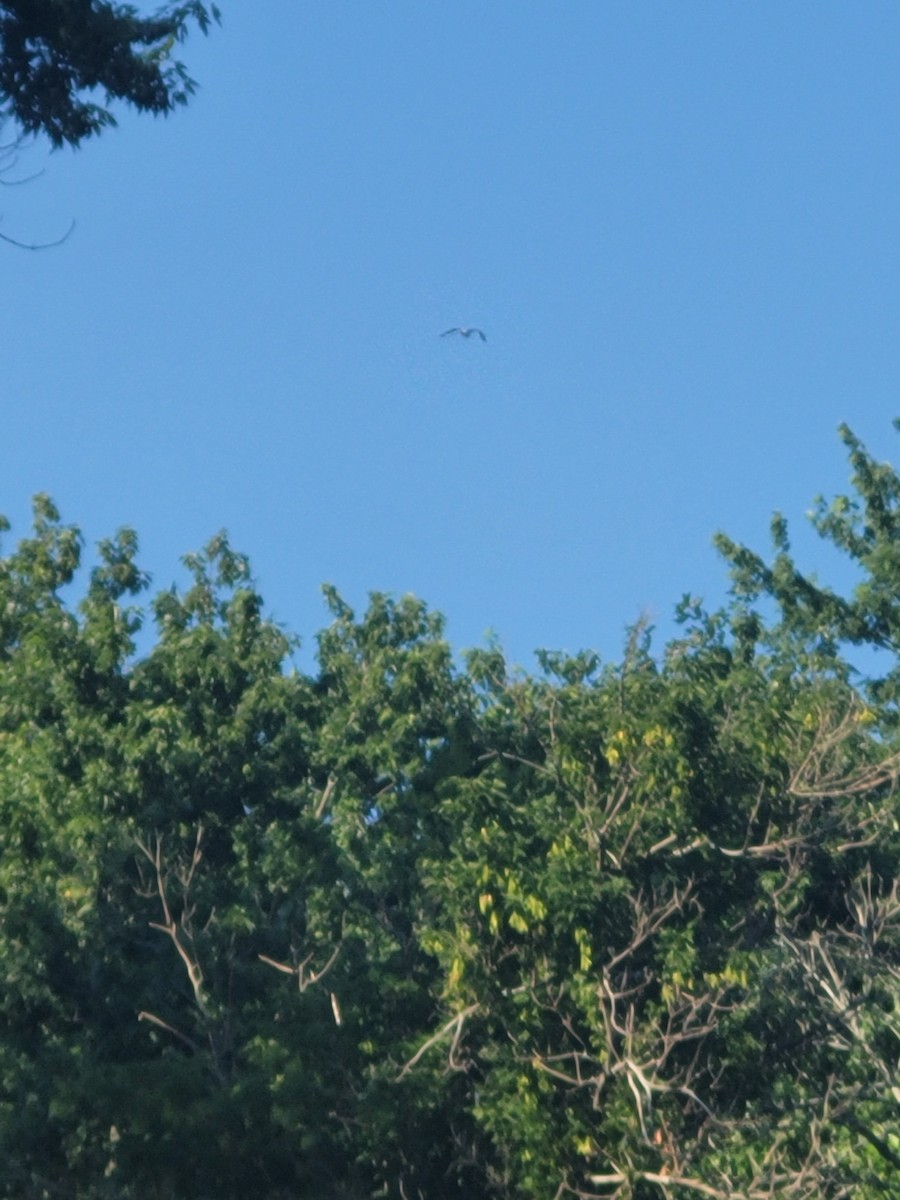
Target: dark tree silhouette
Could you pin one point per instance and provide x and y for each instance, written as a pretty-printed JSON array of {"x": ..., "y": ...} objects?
[{"x": 62, "y": 62}]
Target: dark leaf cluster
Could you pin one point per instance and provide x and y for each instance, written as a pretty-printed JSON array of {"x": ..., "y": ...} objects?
[{"x": 63, "y": 62}]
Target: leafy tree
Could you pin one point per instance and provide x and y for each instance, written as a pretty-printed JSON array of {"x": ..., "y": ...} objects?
[
  {"x": 62, "y": 62},
  {"x": 403, "y": 929}
]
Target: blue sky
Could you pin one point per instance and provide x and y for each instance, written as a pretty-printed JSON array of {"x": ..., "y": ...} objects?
[{"x": 678, "y": 226}]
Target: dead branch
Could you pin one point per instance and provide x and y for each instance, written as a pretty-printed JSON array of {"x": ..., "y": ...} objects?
[
  {"x": 647, "y": 922},
  {"x": 175, "y": 930},
  {"x": 303, "y": 980},
  {"x": 270, "y": 962},
  {"x": 822, "y": 771},
  {"x": 325, "y": 798},
  {"x": 456, "y": 1024},
  {"x": 182, "y": 1037}
]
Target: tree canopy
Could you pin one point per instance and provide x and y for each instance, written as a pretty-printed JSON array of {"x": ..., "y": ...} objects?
[
  {"x": 63, "y": 62},
  {"x": 411, "y": 929}
]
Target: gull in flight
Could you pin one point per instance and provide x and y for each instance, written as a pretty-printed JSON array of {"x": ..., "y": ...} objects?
[{"x": 465, "y": 331}]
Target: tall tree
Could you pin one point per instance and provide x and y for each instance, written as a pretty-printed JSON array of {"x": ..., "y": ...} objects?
[{"x": 402, "y": 929}]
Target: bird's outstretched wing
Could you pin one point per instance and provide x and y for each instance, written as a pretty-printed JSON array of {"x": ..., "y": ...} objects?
[{"x": 466, "y": 332}]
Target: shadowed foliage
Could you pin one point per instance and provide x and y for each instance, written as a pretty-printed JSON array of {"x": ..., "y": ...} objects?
[{"x": 62, "y": 62}]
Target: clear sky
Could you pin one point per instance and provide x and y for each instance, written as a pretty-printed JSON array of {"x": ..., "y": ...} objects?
[{"x": 677, "y": 224}]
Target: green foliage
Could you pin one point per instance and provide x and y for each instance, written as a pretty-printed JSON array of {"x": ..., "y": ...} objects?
[
  {"x": 400, "y": 929},
  {"x": 63, "y": 61}
]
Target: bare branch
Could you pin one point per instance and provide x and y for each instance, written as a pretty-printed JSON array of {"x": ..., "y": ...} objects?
[
  {"x": 456, "y": 1024},
  {"x": 270, "y": 962},
  {"x": 303, "y": 980},
  {"x": 325, "y": 798},
  {"x": 182, "y": 1037},
  {"x": 822, "y": 771},
  {"x": 37, "y": 245},
  {"x": 169, "y": 925}
]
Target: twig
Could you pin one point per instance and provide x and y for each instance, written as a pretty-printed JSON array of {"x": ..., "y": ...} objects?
[{"x": 37, "y": 245}]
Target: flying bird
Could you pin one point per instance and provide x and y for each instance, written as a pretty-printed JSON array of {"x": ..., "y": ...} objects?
[{"x": 465, "y": 331}]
